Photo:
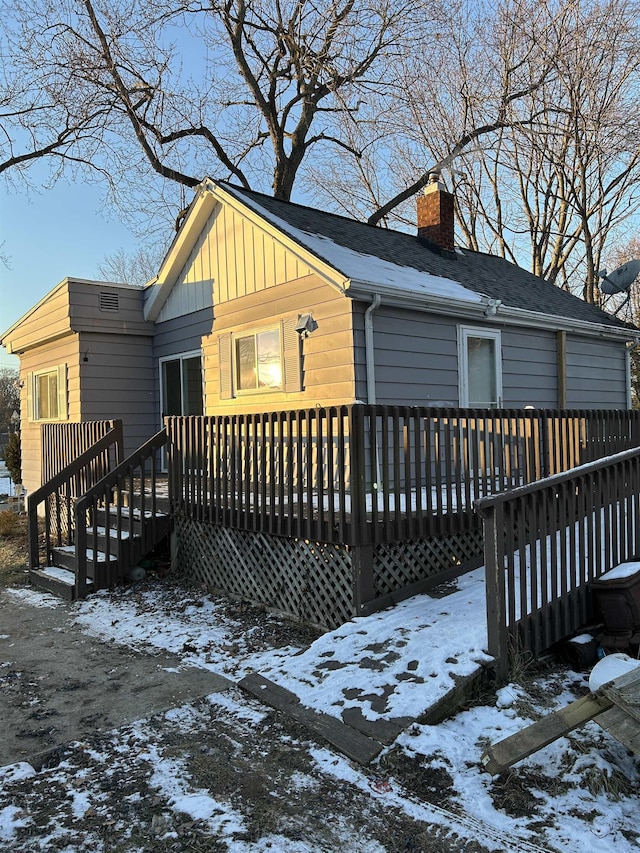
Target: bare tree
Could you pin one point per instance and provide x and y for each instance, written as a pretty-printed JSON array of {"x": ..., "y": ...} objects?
[
  {"x": 9, "y": 397},
  {"x": 183, "y": 89},
  {"x": 136, "y": 268},
  {"x": 529, "y": 109},
  {"x": 573, "y": 177},
  {"x": 626, "y": 306}
]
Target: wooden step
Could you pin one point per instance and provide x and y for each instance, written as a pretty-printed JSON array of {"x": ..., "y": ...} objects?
[
  {"x": 126, "y": 522},
  {"x": 65, "y": 558},
  {"x": 58, "y": 581},
  {"x": 117, "y": 544}
]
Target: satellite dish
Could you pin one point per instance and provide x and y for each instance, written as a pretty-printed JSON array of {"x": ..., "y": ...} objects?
[{"x": 620, "y": 280}]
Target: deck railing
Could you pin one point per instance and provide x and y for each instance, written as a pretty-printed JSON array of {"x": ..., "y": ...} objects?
[
  {"x": 124, "y": 501},
  {"x": 286, "y": 473},
  {"x": 55, "y": 500},
  {"x": 363, "y": 474},
  {"x": 546, "y": 541},
  {"x": 62, "y": 444}
]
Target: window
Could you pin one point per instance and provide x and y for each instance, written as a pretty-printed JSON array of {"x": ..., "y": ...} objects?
[
  {"x": 181, "y": 385},
  {"x": 47, "y": 394},
  {"x": 480, "y": 368},
  {"x": 258, "y": 361}
]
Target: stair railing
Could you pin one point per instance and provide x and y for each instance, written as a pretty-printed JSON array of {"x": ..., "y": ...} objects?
[
  {"x": 127, "y": 500},
  {"x": 59, "y": 494}
]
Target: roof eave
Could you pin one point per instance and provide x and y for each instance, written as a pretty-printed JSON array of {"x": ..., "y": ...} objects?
[
  {"x": 420, "y": 301},
  {"x": 9, "y": 332},
  {"x": 158, "y": 289}
]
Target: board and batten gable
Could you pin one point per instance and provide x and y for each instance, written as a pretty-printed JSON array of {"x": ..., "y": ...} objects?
[
  {"x": 245, "y": 259},
  {"x": 193, "y": 289},
  {"x": 256, "y": 282},
  {"x": 596, "y": 373}
]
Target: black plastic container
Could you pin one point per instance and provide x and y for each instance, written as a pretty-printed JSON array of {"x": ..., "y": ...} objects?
[{"x": 617, "y": 600}]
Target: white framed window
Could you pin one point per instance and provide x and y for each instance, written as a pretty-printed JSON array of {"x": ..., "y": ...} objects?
[
  {"x": 47, "y": 394},
  {"x": 260, "y": 361},
  {"x": 479, "y": 368}
]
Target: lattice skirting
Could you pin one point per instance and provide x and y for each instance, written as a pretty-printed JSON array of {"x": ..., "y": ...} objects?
[
  {"x": 310, "y": 581},
  {"x": 401, "y": 564}
]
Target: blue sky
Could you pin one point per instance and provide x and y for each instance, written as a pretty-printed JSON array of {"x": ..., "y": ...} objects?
[{"x": 60, "y": 232}]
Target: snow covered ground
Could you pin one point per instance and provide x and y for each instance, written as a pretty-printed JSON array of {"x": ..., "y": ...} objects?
[{"x": 579, "y": 793}]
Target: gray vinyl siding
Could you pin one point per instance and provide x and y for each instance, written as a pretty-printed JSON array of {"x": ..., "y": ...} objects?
[
  {"x": 117, "y": 381},
  {"x": 415, "y": 358},
  {"x": 104, "y": 307},
  {"x": 416, "y": 363},
  {"x": 596, "y": 373},
  {"x": 182, "y": 334},
  {"x": 529, "y": 368}
]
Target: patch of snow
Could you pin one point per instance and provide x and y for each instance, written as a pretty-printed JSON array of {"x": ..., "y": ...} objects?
[
  {"x": 80, "y": 803},
  {"x": 368, "y": 269},
  {"x": 63, "y": 575},
  {"x": 582, "y": 639},
  {"x": 621, "y": 572},
  {"x": 170, "y": 779},
  {"x": 11, "y": 818},
  {"x": 16, "y": 772},
  {"x": 33, "y": 598},
  {"x": 406, "y": 657},
  {"x": 507, "y": 695}
]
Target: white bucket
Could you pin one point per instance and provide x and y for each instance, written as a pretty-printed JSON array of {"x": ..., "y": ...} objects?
[{"x": 610, "y": 667}]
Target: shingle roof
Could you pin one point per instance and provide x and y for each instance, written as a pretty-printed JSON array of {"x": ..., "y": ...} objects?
[{"x": 485, "y": 274}]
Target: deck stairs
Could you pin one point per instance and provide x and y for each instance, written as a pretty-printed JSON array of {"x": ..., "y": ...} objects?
[
  {"x": 93, "y": 540},
  {"x": 122, "y": 540}
]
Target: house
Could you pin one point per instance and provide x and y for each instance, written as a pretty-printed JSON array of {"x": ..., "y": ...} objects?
[
  {"x": 264, "y": 305},
  {"x": 336, "y": 397}
]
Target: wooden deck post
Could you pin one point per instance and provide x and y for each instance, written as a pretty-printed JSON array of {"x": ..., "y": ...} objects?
[
  {"x": 363, "y": 586},
  {"x": 362, "y": 544},
  {"x": 497, "y": 631}
]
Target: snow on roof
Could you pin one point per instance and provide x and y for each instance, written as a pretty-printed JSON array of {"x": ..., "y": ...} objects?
[{"x": 363, "y": 268}]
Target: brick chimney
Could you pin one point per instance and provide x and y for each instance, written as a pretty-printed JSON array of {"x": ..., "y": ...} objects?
[{"x": 435, "y": 213}]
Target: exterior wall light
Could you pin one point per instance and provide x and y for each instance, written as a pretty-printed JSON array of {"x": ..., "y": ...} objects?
[{"x": 305, "y": 325}]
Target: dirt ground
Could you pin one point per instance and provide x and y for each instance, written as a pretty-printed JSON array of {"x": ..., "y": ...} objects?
[
  {"x": 110, "y": 749},
  {"x": 114, "y": 736}
]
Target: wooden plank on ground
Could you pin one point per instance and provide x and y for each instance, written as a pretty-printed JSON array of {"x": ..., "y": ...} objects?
[
  {"x": 624, "y": 691},
  {"x": 506, "y": 752},
  {"x": 350, "y": 742},
  {"x": 623, "y": 728}
]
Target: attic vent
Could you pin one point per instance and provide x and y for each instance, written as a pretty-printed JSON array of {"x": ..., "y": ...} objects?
[{"x": 108, "y": 301}]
